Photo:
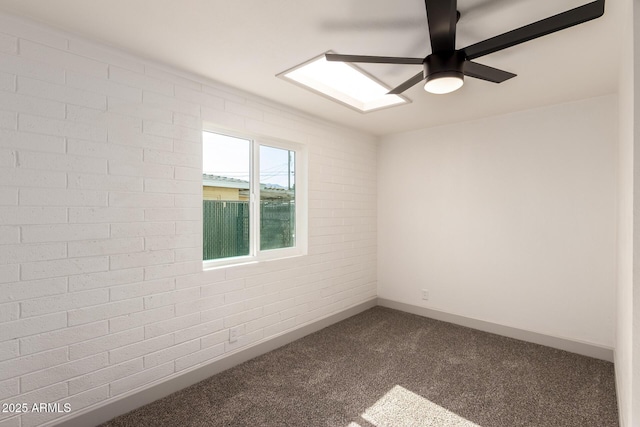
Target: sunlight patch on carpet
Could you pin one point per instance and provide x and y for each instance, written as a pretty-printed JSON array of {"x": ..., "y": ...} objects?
[{"x": 401, "y": 407}]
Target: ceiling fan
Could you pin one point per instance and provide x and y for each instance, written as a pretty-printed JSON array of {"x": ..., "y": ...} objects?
[{"x": 444, "y": 69}]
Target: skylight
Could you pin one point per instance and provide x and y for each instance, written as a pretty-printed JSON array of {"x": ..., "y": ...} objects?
[{"x": 344, "y": 83}]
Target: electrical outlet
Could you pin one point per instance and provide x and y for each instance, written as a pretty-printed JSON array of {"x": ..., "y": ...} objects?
[
  {"x": 425, "y": 294},
  {"x": 233, "y": 334}
]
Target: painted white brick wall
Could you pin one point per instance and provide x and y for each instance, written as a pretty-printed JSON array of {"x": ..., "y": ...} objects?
[{"x": 102, "y": 290}]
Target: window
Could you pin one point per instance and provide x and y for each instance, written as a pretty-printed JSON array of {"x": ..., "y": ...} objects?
[{"x": 252, "y": 192}]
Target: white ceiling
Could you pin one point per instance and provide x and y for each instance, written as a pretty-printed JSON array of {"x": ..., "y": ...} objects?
[{"x": 245, "y": 43}]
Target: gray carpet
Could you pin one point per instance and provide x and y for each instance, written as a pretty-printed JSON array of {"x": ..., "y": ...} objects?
[{"x": 388, "y": 368}]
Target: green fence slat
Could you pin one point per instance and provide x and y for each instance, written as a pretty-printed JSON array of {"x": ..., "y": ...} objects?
[{"x": 226, "y": 227}]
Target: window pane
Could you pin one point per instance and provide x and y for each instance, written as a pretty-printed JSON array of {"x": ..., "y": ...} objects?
[
  {"x": 226, "y": 165},
  {"x": 277, "y": 198}
]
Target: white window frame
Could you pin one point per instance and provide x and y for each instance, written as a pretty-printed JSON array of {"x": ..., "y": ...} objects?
[{"x": 301, "y": 201}]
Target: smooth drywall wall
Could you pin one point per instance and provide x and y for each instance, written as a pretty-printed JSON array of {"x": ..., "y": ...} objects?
[
  {"x": 510, "y": 219},
  {"x": 102, "y": 288},
  {"x": 624, "y": 307},
  {"x": 634, "y": 284}
]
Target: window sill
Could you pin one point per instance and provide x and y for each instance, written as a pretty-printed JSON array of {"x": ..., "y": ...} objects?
[{"x": 278, "y": 255}]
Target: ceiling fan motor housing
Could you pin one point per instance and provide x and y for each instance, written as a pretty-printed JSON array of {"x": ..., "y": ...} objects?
[{"x": 444, "y": 64}]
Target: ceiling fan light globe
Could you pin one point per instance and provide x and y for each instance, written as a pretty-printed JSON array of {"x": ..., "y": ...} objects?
[{"x": 442, "y": 85}]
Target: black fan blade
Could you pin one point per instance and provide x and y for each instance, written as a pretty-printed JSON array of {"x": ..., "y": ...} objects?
[
  {"x": 442, "y": 17},
  {"x": 484, "y": 72},
  {"x": 406, "y": 85},
  {"x": 372, "y": 59},
  {"x": 549, "y": 25}
]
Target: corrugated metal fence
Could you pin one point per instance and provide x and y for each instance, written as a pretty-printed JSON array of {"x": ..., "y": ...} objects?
[{"x": 226, "y": 227}]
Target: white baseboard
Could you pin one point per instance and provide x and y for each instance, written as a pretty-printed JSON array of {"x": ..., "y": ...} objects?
[
  {"x": 586, "y": 349},
  {"x": 101, "y": 413}
]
